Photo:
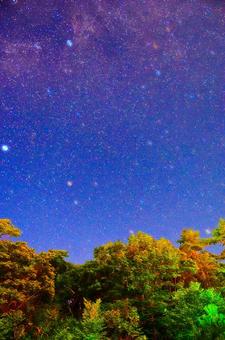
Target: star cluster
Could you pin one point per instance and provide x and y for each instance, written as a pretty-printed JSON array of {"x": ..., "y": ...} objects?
[{"x": 112, "y": 119}]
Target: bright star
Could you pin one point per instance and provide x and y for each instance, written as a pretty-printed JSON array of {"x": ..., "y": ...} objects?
[
  {"x": 4, "y": 148},
  {"x": 69, "y": 183},
  {"x": 69, "y": 43}
]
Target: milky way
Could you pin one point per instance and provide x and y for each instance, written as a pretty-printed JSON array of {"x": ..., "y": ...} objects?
[{"x": 112, "y": 119}]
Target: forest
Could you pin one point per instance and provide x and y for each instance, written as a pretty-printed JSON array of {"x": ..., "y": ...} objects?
[{"x": 145, "y": 288}]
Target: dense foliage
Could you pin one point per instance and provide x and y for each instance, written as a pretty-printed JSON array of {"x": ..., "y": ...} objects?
[{"x": 142, "y": 289}]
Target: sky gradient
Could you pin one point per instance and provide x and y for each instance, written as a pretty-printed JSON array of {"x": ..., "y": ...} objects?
[{"x": 112, "y": 119}]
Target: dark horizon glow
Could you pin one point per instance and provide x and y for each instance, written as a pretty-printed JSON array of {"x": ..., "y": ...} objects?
[{"x": 112, "y": 119}]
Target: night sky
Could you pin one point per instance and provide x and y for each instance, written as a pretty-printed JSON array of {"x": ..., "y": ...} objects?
[{"x": 112, "y": 119}]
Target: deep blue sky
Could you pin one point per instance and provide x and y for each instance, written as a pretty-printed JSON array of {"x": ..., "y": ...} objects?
[{"x": 112, "y": 119}]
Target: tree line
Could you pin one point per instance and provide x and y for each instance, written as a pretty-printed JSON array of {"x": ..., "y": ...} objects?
[{"x": 142, "y": 289}]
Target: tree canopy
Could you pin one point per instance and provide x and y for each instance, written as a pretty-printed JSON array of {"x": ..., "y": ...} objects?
[{"x": 142, "y": 289}]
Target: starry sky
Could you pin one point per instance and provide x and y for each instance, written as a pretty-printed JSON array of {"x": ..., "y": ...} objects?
[{"x": 112, "y": 119}]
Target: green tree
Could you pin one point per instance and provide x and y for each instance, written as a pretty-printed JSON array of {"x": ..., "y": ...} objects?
[
  {"x": 185, "y": 317},
  {"x": 122, "y": 321},
  {"x": 91, "y": 327},
  {"x": 212, "y": 323}
]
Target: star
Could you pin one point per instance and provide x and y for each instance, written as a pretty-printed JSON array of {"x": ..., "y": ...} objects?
[
  {"x": 37, "y": 46},
  {"x": 69, "y": 183},
  {"x": 5, "y": 148},
  {"x": 49, "y": 91},
  {"x": 95, "y": 184},
  {"x": 155, "y": 45},
  {"x": 69, "y": 43}
]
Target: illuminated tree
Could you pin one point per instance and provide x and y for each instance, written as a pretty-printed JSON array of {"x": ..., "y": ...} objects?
[
  {"x": 198, "y": 263},
  {"x": 26, "y": 280}
]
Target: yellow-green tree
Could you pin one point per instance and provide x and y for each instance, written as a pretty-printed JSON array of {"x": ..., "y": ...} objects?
[
  {"x": 26, "y": 280},
  {"x": 198, "y": 263}
]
